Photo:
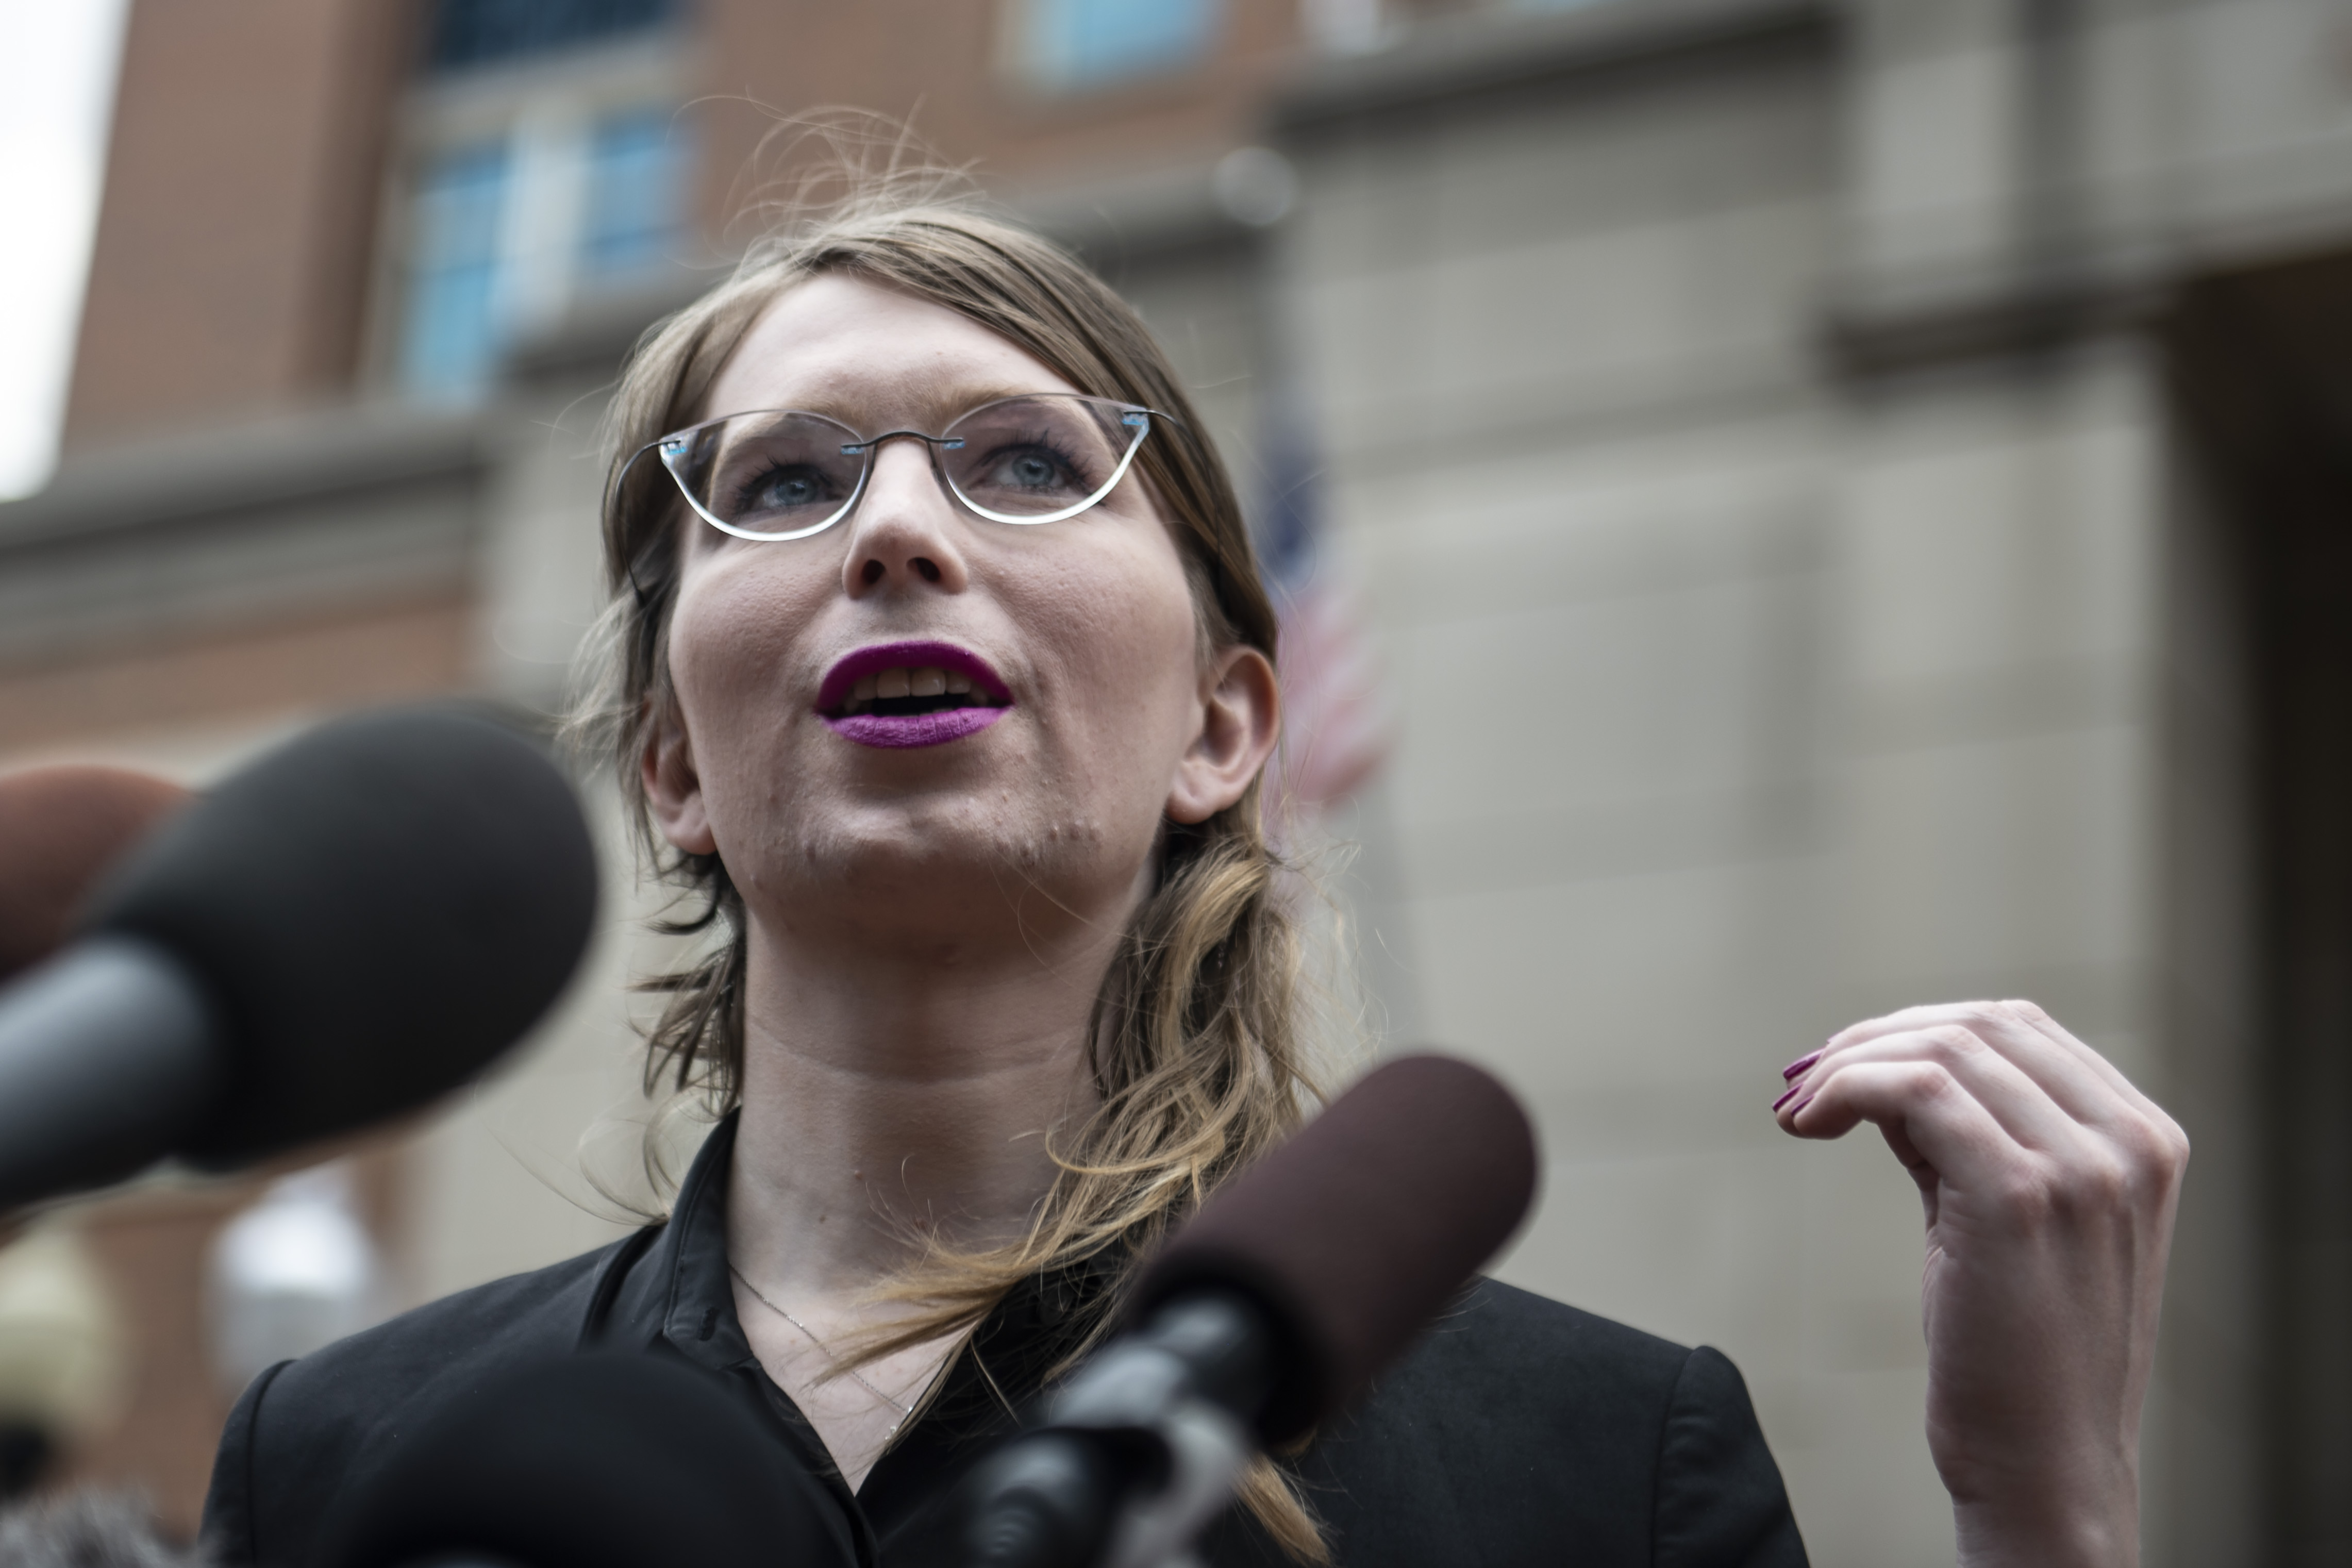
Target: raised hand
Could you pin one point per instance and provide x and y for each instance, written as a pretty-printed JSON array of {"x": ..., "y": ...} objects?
[{"x": 2050, "y": 1185}]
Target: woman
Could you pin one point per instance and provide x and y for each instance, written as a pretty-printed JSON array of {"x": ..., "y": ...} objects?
[{"x": 943, "y": 668}]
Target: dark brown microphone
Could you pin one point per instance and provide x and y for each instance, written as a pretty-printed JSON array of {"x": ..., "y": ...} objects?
[
  {"x": 1273, "y": 1309},
  {"x": 1354, "y": 1235}
]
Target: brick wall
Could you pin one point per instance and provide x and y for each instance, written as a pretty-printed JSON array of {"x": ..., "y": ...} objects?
[
  {"x": 241, "y": 184},
  {"x": 941, "y": 64}
]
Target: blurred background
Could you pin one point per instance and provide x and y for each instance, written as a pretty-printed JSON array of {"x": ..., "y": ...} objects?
[{"x": 1786, "y": 508}]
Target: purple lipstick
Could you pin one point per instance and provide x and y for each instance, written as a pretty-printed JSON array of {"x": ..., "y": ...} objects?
[{"x": 905, "y": 694}]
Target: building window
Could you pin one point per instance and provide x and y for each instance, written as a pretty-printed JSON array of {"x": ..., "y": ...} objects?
[
  {"x": 631, "y": 214},
  {"x": 487, "y": 32},
  {"x": 1069, "y": 45},
  {"x": 451, "y": 336},
  {"x": 505, "y": 235}
]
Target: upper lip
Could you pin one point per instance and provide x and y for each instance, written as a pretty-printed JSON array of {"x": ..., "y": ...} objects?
[{"x": 835, "y": 689}]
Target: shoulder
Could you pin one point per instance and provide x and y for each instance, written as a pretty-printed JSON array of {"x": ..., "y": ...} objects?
[
  {"x": 1518, "y": 1422},
  {"x": 428, "y": 1353},
  {"x": 306, "y": 1428},
  {"x": 1500, "y": 1332},
  {"x": 1523, "y": 1380}
]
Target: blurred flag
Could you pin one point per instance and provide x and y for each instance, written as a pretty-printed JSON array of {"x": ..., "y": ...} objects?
[{"x": 1335, "y": 730}]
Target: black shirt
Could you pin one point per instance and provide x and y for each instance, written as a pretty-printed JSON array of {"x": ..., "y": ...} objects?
[{"x": 1517, "y": 1432}]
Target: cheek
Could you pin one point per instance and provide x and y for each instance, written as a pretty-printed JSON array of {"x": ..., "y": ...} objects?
[
  {"x": 1123, "y": 628},
  {"x": 729, "y": 652},
  {"x": 714, "y": 649}
]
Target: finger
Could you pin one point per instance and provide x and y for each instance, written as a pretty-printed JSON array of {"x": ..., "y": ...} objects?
[
  {"x": 2018, "y": 1097},
  {"x": 2152, "y": 1142},
  {"x": 2082, "y": 1083},
  {"x": 2025, "y": 1110},
  {"x": 2105, "y": 1071},
  {"x": 1950, "y": 1130},
  {"x": 2023, "y": 1025},
  {"x": 2106, "y": 1139}
]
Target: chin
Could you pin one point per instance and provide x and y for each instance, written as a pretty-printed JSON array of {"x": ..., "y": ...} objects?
[{"x": 918, "y": 858}]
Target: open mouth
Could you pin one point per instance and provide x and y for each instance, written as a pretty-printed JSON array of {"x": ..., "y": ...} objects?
[
  {"x": 926, "y": 688},
  {"x": 911, "y": 694}
]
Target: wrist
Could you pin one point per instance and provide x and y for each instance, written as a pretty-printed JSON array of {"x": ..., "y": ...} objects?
[{"x": 2101, "y": 1532}]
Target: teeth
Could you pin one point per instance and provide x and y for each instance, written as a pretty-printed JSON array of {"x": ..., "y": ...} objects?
[{"x": 930, "y": 680}]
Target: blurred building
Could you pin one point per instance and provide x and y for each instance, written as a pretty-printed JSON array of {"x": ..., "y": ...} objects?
[{"x": 1846, "y": 497}]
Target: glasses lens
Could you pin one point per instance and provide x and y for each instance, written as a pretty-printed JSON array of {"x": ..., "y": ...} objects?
[
  {"x": 769, "y": 476},
  {"x": 1031, "y": 459}
]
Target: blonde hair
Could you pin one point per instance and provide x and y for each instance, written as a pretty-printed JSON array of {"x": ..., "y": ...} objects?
[{"x": 1196, "y": 1042}]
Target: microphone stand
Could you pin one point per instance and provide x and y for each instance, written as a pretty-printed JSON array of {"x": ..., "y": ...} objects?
[{"x": 1137, "y": 1454}]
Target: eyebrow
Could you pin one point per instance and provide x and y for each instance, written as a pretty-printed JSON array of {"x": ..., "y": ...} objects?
[{"x": 944, "y": 402}]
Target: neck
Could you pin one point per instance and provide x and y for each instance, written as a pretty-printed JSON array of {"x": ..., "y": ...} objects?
[{"x": 887, "y": 1099}]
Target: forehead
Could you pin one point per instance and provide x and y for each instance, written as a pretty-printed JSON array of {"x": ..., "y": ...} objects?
[{"x": 862, "y": 352}]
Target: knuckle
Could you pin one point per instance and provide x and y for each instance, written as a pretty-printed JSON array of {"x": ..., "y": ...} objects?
[
  {"x": 2144, "y": 1141},
  {"x": 2088, "y": 1188},
  {"x": 2027, "y": 1192},
  {"x": 1935, "y": 1081},
  {"x": 2160, "y": 1150},
  {"x": 2100, "y": 1183},
  {"x": 1983, "y": 1015},
  {"x": 1950, "y": 1044}
]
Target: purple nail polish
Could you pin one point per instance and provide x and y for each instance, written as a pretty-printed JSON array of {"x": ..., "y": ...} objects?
[
  {"x": 1801, "y": 1063},
  {"x": 1786, "y": 1095},
  {"x": 1804, "y": 1102}
]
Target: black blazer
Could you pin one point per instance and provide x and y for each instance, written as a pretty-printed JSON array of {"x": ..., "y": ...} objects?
[{"x": 1518, "y": 1431}]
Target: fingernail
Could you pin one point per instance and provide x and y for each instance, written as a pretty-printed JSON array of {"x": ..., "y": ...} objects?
[
  {"x": 1804, "y": 1102},
  {"x": 1801, "y": 1063},
  {"x": 1786, "y": 1095}
]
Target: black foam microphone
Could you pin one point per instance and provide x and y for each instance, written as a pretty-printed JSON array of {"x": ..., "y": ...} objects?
[
  {"x": 1273, "y": 1309},
  {"x": 599, "y": 1461},
  {"x": 350, "y": 927}
]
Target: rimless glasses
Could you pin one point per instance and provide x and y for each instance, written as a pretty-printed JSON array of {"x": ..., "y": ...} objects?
[{"x": 775, "y": 474}]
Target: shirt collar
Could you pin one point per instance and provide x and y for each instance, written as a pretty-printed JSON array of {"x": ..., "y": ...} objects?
[{"x": 671, "y": 1291}]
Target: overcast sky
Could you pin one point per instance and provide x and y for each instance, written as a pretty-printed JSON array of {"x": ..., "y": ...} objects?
[{"x": 57, "y": 85}]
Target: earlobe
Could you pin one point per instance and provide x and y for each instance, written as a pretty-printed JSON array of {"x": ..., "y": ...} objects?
[
  {"x": 1241, "y": 716},
  {"x": 674, "y": 790}
]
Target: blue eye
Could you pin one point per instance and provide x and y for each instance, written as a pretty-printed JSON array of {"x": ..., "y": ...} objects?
[
  {"x": 1032, "y": 471},
  {"x": 784, "y": 489}
]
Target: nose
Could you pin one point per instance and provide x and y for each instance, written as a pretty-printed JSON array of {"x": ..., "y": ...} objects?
[{"x": 904, "y": 530}]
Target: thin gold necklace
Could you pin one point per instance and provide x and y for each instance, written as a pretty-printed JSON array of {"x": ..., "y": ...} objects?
[{"x": 824, "y": 1350}]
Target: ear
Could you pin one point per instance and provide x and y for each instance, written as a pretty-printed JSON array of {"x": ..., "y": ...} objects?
[
  {"x": 1241, "y": 715},
  {"x": 672, "y": 789}
]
